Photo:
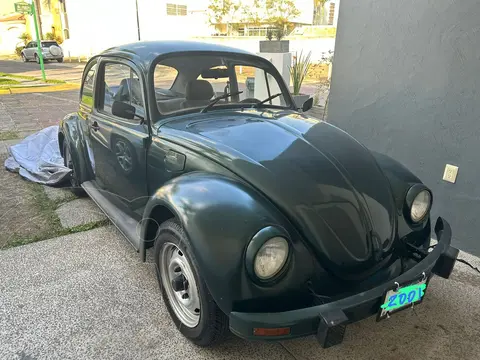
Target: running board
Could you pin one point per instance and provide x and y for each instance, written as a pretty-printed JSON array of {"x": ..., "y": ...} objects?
[{"x": 124, "y": 223}]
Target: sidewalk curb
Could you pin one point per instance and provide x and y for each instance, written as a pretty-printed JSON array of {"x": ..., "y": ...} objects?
[{"x": 43, "y": 88}]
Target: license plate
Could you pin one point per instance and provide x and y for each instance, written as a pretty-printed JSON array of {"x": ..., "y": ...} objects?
[{"x": 401, "y": 297}]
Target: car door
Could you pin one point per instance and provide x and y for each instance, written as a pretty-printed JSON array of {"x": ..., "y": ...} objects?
[
  {"x": 29, "y": 50},
  {"x": 119, "y": 140}
]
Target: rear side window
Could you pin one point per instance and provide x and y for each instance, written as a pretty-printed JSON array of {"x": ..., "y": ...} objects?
[
  {"x": 86, "y": 94},
  {"x": 164, "y": 77},
  {"x": 49, "y": 43}
]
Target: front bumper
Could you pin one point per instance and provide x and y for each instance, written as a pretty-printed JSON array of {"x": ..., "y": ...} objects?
[{"x": 328, "y": 321}]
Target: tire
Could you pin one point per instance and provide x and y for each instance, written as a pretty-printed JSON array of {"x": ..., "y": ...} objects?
[
  {"x": 24, "y": 58},
  {"x": 37, "y": 59},
  {"x": 60, "y": 60},
  {"x": 68, "y": 162},
  {"x": 212, "y": 324}
]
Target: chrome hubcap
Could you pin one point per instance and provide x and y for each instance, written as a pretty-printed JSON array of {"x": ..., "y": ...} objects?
[
  {"x": 124, "y": 157},
  {"x": 179, "y": 284}
]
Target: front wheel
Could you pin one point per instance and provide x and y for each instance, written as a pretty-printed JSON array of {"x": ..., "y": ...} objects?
[
  {"x": 184, "y": 292},
  {"x": 24, "y": 58}
]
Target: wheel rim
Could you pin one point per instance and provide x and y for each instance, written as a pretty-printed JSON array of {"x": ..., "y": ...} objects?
[
  {"x": 180, "y": 285},
  {"x": 124, "y": 156}
]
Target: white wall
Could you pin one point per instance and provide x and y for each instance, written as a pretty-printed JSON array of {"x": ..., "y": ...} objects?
[
  {"x": 96, "y": 25},
  {"x": 155, "y": 24},
  {"x": 9, "y": 34}
]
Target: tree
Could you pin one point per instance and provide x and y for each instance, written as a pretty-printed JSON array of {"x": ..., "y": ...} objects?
[
  {"x": 278, "y": 13},
  {"x": 319, "y": 11},
  {"x": 223, "y": 12}
]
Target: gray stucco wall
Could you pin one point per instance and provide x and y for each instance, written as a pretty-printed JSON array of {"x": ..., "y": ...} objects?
[{"x": 406, "y": 82}]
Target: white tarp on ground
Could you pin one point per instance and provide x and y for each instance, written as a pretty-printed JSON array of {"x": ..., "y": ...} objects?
[{"x": 37, "y": 158}]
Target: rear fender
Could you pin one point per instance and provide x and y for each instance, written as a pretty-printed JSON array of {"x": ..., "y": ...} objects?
[
  {"x": 220, "y": 216},
  {"x": 72, "y": 133}
]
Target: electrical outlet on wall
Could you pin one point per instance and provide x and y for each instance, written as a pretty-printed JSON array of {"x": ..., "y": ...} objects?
[{"x": 450, "y": 173}]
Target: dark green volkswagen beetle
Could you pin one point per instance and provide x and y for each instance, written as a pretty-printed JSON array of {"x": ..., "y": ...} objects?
[{"x": 262, "y": 220}]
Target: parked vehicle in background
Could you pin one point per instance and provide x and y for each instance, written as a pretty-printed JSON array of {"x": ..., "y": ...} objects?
[
  {"x": 263, "y": 220},
  {"x": 50, "y": 51}
]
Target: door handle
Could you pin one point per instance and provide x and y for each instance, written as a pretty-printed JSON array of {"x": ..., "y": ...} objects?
[{"x": 95, "y": 126}]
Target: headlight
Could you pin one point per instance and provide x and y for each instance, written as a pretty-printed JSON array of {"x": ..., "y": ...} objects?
[
  {"x": 420, "y": 206},
  {"x": 271, "y": 258}
]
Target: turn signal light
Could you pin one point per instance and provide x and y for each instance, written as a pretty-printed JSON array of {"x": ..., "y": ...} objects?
[{"x": 271, "y": 331}]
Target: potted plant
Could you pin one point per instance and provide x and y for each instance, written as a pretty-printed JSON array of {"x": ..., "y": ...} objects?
[
  {"x": 275, "y": 46},
  {"x": 298, "y": 70}
]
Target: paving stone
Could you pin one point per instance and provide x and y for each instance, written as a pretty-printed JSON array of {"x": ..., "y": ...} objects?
[
  {"x": 58, "y": 194},
  {"x": 5, "y": 144},
  {"x": 79, "y": 212}
]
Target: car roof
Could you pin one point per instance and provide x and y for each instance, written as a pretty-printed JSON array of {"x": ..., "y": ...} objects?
[{"x": 147, "y": 51}]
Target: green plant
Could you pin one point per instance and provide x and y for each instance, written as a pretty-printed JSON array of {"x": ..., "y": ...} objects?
[
  {"x": 280, "y": 34},
  {"x": 269, "y": 34},
  {"x": 327, "y": 58},
  {"x": 25, "y": 37},
  {"x": 52, "y": 36},
  {"x": 18, "y": 50},
  {"x": 299, "y": 69}
]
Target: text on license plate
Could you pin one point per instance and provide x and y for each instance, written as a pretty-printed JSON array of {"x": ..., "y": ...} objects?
[{"x": 403, "y": 296}]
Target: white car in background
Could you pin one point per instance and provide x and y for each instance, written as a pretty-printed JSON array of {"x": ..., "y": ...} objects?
[{"x": 50, "y": 51}]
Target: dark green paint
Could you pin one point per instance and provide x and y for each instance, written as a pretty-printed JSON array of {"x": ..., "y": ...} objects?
[{"x": 241, "y": 171}]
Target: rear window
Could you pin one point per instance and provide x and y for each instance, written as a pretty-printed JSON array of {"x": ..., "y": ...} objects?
[{"x": 49, "y": 43}]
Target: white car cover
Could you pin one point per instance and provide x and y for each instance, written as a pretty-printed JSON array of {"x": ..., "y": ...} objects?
[{"x": 37, "y": 158}]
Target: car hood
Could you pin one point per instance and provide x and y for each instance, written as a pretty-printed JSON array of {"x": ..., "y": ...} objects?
[{"x": 326, "y": 183}]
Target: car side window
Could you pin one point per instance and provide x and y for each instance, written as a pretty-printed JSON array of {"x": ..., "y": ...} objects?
[
  {"x": 86, "y": 93},
  {"x": 122, "y": 85}
]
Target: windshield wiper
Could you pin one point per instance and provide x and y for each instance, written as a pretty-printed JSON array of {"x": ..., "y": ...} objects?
[
  {"x": 218, "y": 98},
  {"x": 267, "y": 99}
]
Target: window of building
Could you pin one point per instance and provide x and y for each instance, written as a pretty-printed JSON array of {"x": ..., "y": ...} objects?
[{"x": 176, "y": 10}]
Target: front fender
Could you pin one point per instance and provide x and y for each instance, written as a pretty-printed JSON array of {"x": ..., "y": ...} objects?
[
  {"x": 71, "y": 130},
  {"x": 401, "y": 179},
  {"x": 220, "y": 216}
]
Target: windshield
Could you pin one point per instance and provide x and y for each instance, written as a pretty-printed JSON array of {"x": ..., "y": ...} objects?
[{"x": 192, "y": 82}]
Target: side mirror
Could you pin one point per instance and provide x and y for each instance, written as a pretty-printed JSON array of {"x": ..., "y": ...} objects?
[
  {"x": 307, "y": 105},
  {"x": 123, "y": 110}
]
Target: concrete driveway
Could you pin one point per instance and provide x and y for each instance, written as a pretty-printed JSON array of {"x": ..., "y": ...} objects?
[{"x": 87, "y": 296}]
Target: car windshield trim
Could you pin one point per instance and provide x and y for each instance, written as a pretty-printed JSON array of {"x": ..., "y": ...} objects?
[
  {"x": 247, "y": 106},
  {"x": 234, "y": 59}
]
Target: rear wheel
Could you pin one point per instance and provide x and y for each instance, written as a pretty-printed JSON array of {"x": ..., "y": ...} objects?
[
  {"x": 68, "y": 162},
  {"x": 60, "y": 60},
  {"x": 184, "y": 292},
  {"x": 37, "y": 59}
]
